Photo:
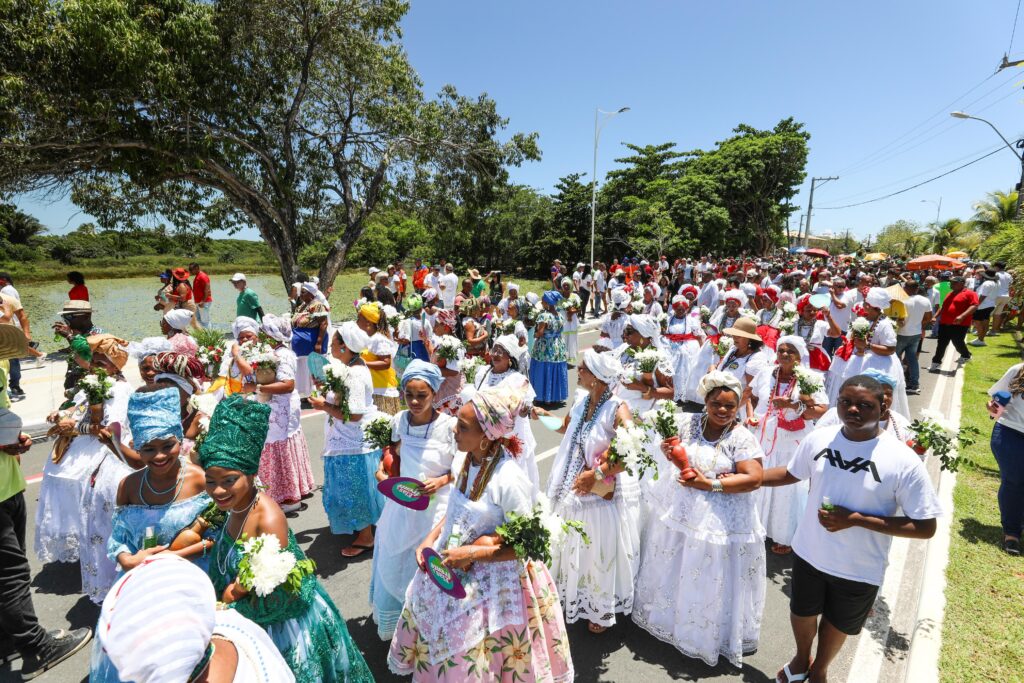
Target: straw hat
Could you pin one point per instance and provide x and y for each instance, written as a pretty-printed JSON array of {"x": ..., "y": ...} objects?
[
  {"x": 474, "y": 273},
  {"x": 743, "y": 327},
  {"x": 13, "y": 343},
  {"x": 76, "y": 306}
]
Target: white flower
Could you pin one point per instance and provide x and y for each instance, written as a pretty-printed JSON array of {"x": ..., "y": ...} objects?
[
  {"x": 788, "y": 309},
  {"x": 648, "y": 359},
  {"x": 268, "y": 563},
  {"x": 860, "y": 327}
]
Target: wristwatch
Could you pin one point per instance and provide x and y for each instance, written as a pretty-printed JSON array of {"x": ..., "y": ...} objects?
[{"x": 598, "y": 473}]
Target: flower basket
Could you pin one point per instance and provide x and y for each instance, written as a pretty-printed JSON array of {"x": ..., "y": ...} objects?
[{"x": 96, "y": 413}]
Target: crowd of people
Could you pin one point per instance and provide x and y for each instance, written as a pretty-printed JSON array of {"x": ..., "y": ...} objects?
[{"x": 770, "y": 395}]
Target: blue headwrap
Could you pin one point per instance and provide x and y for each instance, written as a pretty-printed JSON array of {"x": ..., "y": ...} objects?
[
  {"x": 154, "y": 415},
  {"x": 428, "y": 372},
  {"x": 552, "y": 298},
  {"x": 880, "y": 376}
]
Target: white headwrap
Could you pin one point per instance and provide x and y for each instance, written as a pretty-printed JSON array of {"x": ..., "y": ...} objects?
[
  {"x": 735, "y": 294},
  {"x": 605, "y": 366},
  {"x": 510, "y": 343},
  {"x": 310, "y": 288},
  {"x": 157, "y": 620},
  {"x": 532, "y": 298},
  {"x": 646, "y": 325},
  {"x": 244, "y": 324},
  {"x": 680, "y": 299},
  {"x": 354, "y": 339},
  {"x": 654, "y": 288},
  {"x": 429, "y": 294},
  {"x": 178, "y": 318},
  {"x": 620, "y": 299},
  {"x": 513, "y": 287},
  {"x": 716, "y": 379},
  {"x": 878, "y": 297},
  {"x": 749, "y": 288},
  {"x": 148, "y": 346},
  {"x": 799, "y": 344},
  {"x": 277, "y": 327}
]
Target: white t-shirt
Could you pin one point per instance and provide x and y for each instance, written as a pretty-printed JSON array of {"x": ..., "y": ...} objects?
[
  {"x": 577, "y": 278},
  {"x": 842, "y": 316},
  {"x": 1004, "y": 280},
  {"x": 586, "y": 283},
  {"x": 450, "y": 282},
  {"x": 987, "y": 292},
  {"x": 916, "y": 307},
  {"x": 432, "y": 281},
  {"x": 599, "y": 281},
  {"x": 1013, "y": 414},
  {"x": 876, "y": 477}
]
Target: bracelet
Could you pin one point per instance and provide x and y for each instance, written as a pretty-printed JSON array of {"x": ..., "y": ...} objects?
[{"x": 716, "y": 486}]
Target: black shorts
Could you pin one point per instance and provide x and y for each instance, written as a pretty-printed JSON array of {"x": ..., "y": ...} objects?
[
  {"x": 843, "y": 602},
  {"x": 983, "y": 314}
]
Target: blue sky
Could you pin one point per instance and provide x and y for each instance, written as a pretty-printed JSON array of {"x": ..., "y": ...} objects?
[{"x": 872, "y": 81}]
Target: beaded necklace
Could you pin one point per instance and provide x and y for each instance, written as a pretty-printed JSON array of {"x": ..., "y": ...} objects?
[
  {"x": 426, "y": 432},
  {"x": 222, "y": 564},
  {"x": 716, "y": 444},
  {"x": 772, "y": 395},
  {"x": 176, "y": 487},
  {"x": 577, "y": 441}
]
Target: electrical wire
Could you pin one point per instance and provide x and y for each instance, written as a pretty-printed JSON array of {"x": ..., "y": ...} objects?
[
  {"x": 912, "y": 187},
  {"x": 1013, "y": 33}
]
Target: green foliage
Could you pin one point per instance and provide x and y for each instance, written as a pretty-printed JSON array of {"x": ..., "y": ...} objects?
[
  {"x": 206, "y": 338},
  {"x": 997, "y": 209},
  {"x": 903, "y": 239}
]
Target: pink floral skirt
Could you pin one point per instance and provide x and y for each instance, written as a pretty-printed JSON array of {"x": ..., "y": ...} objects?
[
  {"x": 285, "y": 469},
  {"x": 535, "y": 651}
]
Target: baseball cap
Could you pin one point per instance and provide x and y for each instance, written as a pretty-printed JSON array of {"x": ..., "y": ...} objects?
[
  {"x": 373, "y": 271},
  {"x": 238, "y": 277},
  {"x": 10, "y": 428}
]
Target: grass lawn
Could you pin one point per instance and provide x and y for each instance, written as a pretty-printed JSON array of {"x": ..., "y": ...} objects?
[{"x": 984, "y": 622}]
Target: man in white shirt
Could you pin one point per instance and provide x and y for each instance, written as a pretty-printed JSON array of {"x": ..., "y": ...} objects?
[
  {"x": 866, "y": 486},
  {"x": 433, "y": 279},
  {"x": 709, "y": 294},
  {"x": 600, "y": 285},
  {"x": 449, "y": 286},
  {"x": 1005, "y": 281},
  {"x": 911, "y": 332},
  {"x": 987, "y": 289},
  {"x": 703, "y": 266}
]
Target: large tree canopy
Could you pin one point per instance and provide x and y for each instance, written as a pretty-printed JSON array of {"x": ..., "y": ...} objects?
[{"x": 299, "y": 117}]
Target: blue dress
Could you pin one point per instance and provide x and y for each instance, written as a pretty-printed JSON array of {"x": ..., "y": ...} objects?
[{"x": 549, "y": 369}]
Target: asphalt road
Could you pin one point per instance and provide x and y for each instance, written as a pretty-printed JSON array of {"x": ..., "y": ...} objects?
[{"x": 624, "y": 653}]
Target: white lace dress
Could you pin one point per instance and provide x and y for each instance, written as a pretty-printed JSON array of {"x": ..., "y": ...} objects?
[
  {"x": 426, "y": 451},
  {"x": 683, "y": 351},
  {"x": 701, "y": 583},
  {"x": 595, "y": 581},
  {"x": 528, "y": 458}
]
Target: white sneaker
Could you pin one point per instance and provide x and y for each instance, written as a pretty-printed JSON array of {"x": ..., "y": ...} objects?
[
  {"x": 977, "y": 342},
  {"x": 935, "y": 367}
]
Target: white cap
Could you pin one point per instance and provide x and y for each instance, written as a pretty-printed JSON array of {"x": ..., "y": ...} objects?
[
  {"x": 238, "y": 277},
  {"x": 374, "y": 271},
  {"x": 10, "y": 428}
]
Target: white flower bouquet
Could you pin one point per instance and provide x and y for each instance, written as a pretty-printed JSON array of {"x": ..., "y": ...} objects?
[
  {"x": 663, "y": 320},
  {"x": 571, "y": 301},
  {"x": 97, "y": 386},
  {"x": 662, "y": 418},
  {"x": 470, "y": 366},
  {"x": 787, "y": 325},
  {"x": 448, "y": 348},
  {"x": 808, "y": 381},
  {"x": 336, "y": 380},
  {"x": 934, "y": 433},
  {"x": 860, "y": 328},
  {"x": 506, "y": 326},
  {"x": 748, "y": 313},
  {"x": 629, "y": 449},
  {"x": 211, "y": 356},
  {"x": 265, "y": 565},
  {"x": 259, "y": 355},
  {"x": 705, "y": 314},
  {"x": 532, "y": 535},
  {"x": 647, "y": 360},
  {"x": 789, "y": 309},
  {"x": 391, "y": 315},
  {"x": 203, "y": 405},
  {"x": 724, "y": 346}
]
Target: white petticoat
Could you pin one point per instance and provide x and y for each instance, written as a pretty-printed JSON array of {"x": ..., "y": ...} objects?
[
  {"x": 97, "y": 510},
  {"x": 59, "y": 519}
]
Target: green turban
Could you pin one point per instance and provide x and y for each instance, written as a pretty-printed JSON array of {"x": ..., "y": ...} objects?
[{"x": 238, "y": 430}]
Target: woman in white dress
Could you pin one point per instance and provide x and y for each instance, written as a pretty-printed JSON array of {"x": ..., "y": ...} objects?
[
  {"x": 781, "y": 417},
  {"x": 351, "y": 499},
  {"x": 683, "y": 337},
  {"x": 595, "y": 580},
  {"x": 701, "y": 583},
  {"x": 233, "y": 367},
  {"x": 728, "y": 313},
  {"x": 652, "y": 306},
  {"x": 77, "y": 495},
  {"x": 813, "y": 332},
  {"x": 426, "y": 442},
  {"x": 876, "y": 350},
  {"x": 506, "y": 356},
  {"x": 744, "y": 359}
]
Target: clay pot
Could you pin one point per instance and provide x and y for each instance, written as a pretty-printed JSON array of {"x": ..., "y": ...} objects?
[
  {"x": 96, "y": 413},
  {"x": 392, "y": 462},
  {"x": 442, "y": 362},
  {"x": 918, "y": 448},
  {"x": 266, "y": 375},
  {"x": 677, "y": 456}
]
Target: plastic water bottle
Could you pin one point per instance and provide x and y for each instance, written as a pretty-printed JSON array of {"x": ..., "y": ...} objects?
[
  {"x": 826, "y": 503},
  {"x": 150, "y": 539},
  {"x": 1002, "y": 398}
]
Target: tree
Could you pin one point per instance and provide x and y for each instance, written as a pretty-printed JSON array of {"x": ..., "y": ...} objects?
[
  {"x": 902, "y": 238},
  {"x": 997, "y": 208},
  {"x": 565, "y": 234},
  {"x": 951, "y": 234},
  {"x": 18, "y": 227},
  {"x": 299, "y": 117}
]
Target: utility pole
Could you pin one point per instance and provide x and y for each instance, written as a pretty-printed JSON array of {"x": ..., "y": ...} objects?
[
  {"x": 799, "y": 230},
  {"x": 810, "y": 204}
]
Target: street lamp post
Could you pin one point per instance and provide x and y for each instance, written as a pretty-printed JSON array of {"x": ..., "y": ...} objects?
[
  {"x": 598, "y": 122},
  {"x": 1020, "y": 143}
]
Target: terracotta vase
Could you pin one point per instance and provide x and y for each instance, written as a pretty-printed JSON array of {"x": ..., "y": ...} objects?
[
  {"x": 266, "y": 375},
  {"x": 96, "y": 413},
  {"x": 392, "y": 462},
  {"x": 918, "y": 448},
  {"x": 442, "y": 362},
  {"x": 677, "y": 456}
]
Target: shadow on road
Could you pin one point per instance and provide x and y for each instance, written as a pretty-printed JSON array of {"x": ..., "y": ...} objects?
[
  {"x": 59, "y": 578},
  {"x": 973, "y": 531}
]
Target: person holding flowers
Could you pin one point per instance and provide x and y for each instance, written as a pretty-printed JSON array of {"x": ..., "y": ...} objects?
[
  {"x": 812, "y": 330},
  {"x": 496, "y": 539},
  {"x": 739, "y": 351},
  {"x": 257, "y": 567},
  {"x": 783, "y": 403},
  {"x": 284, "y": 467},
  {"x": 701, "y": 582},
  {"x": 234, "y": 366},
  {"x": 595, "y": 580},
  {"x": 311, "y": 324},
  {"x": 474, "y": 332},
  {"x": 683, "y": 336},
  {"x": 448, "y": 354},
  {"x": 570, "y": 307},
  {"x": 426, "y": 442},
  {"x": 549, "y": 369},
  {"x": 647, "y": 368},
  {"x": 379, "y": 356},
  {"x": 351, "y": 499}
]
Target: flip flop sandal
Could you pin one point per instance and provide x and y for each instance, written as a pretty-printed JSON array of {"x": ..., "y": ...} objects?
[
  {"x": 361, "y": 548},
  {"x": 791, "y": 677}
]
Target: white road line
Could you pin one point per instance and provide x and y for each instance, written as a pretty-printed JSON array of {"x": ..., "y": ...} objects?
[
  {"x": 546, "y": 454},
  {"x": 870, "y": 654}
]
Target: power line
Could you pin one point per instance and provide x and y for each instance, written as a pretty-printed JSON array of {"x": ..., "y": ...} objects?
[
  {"x": 912, "y": 187},
  {"x": 1014, "y": 31}
]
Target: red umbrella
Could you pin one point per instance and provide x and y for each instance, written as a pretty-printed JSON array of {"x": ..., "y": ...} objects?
[
  {"x": 930, "y": 261},
  {"x": 817, "y": 252}
]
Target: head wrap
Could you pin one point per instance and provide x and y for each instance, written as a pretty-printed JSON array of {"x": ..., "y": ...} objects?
[
  {"x": 277, "y": 327},
  {"x": 311, "y": 288},
  {"x": 689, "y": 289},
  {"x": 238, "y": 430},
  {"x": 716, "y": 379},
  {"x": 878, "y": 297},
  {"x": 10, "y": 427},
  {"x": 749, "y": 288},
  {"x": 552, "y": 298},
  {"x": 797, "y": 342},
  {"x": 881, "y": 377},
  {"x": 680, "y": 299},
  {"x": 110, "y": 346},
  {"x": 510, "y": 343},
  {"x": 565, "y": 282},
  {"x": 154, "y": 415},
  {"x": 429, "y": 295},
  {"x": 532, "y": 298},
  {"x": 244, "y": 324},
  {"x": 178, "y": 318},
  {"x": 422, "y": 370},
  {"x": 735, "y": 295},
  {"x": 413, "y": 302},
  {"x": 605, "y": 366},
  {"x": 513, "y": 287},
  {"x": 148, "y": 346},
  {"x": 497, "y": 407},
  {"x": 371, "y": 311},
  {"x": 646, "y": 325},
  {"x": 446, "y": 317},
  {"x": 653, "y": 288},
  {"x": 157, "y": 620},
  {"x": 772, "y": 292},
  {"x": 620, "y": 299},
  {"x": 354, "y": 339}
]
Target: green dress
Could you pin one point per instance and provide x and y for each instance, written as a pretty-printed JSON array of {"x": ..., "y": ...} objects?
[{"x": 306, "y": 626}]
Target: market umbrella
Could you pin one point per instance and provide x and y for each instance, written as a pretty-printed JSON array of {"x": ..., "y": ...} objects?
[
  {"x": 957, "y": 254},
  {"x": 934, "y": 261},
  {"x": 897, "y": 293},
  {"x": 816, "y": 252},
  {"x": 877, "y": 256}
]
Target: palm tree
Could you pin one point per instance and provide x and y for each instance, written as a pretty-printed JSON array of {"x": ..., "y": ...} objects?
[
  {"x": 19, "y": 226},
  {"x": 998, "y": 208}
]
